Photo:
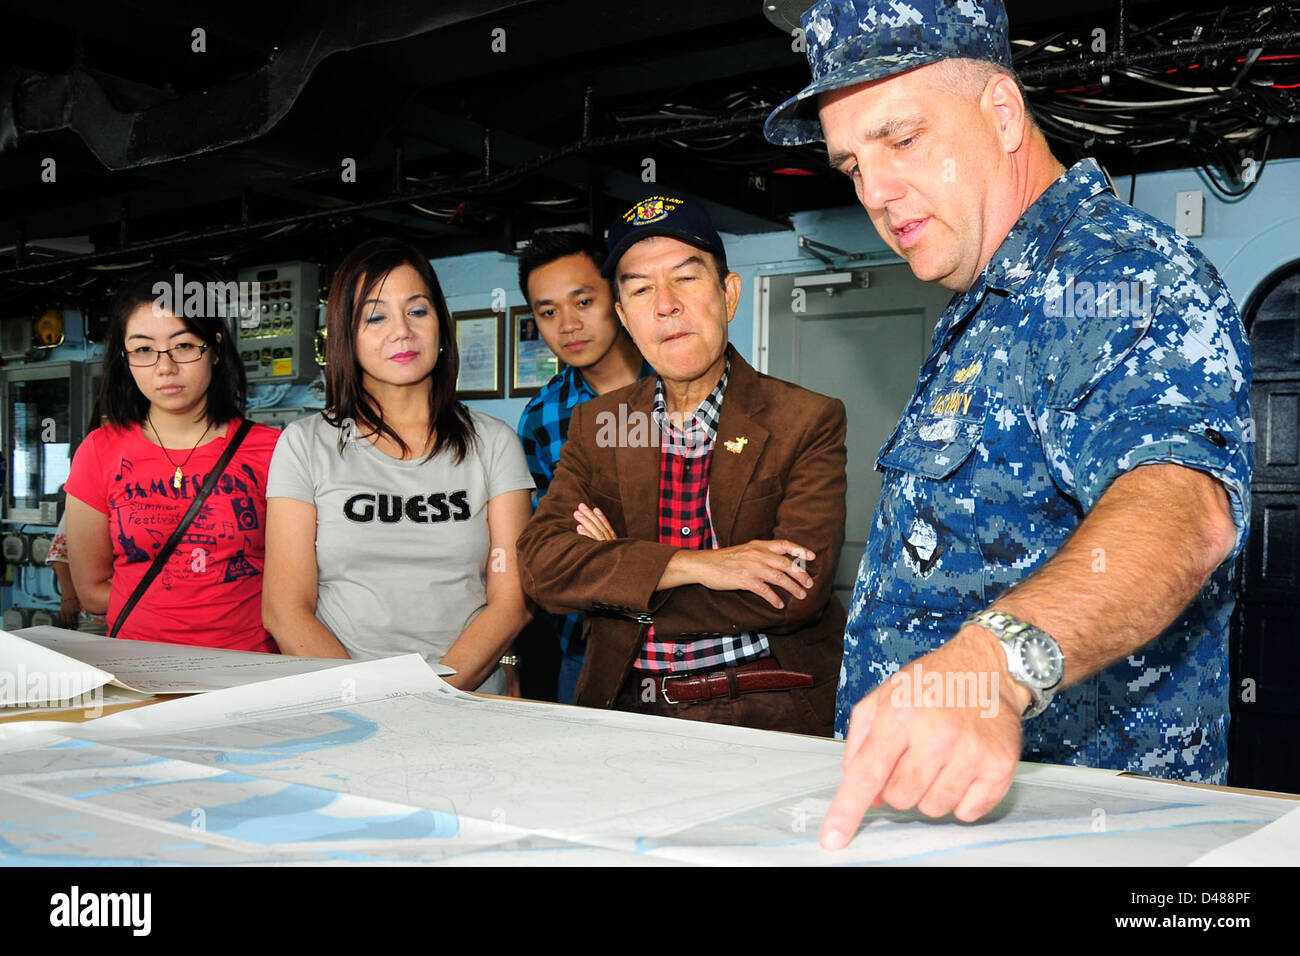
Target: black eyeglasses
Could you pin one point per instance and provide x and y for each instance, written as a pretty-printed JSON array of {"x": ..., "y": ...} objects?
[{"x": 146, "y": 356}]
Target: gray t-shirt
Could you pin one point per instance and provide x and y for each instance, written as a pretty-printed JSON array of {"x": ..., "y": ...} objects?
[{"x": 402, "y": 547}]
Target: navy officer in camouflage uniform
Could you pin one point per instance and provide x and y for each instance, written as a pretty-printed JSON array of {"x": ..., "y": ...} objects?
[{"x": 1069, "y": 483}]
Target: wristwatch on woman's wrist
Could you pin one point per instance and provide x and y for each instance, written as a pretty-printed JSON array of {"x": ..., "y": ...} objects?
[{"x": 1033, "y": 656}]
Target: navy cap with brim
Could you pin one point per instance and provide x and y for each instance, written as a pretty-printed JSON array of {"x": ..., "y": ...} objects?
[{"x": 616, "y": 253}]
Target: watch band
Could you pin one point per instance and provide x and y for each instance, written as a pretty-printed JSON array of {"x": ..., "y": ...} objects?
[
  {"x": 1012, "y": 633},
  {"x": 1000, "y": 623}
]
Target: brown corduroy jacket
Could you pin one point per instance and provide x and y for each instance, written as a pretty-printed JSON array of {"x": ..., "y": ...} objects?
[{"x": 786, "y": 481}]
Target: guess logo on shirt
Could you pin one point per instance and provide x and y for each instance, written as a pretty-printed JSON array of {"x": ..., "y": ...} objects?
[{"x": 423, "y": 509}]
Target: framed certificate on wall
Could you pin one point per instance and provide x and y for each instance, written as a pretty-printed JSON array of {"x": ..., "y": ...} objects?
[
  {"x": 481, "y": 344},
  {"x": 532, "y": 363}
]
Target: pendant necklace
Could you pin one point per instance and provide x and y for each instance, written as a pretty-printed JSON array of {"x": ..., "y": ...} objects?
[{"x": 178, "y": 477}]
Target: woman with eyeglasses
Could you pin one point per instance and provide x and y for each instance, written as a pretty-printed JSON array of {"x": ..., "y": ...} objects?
[
  {"x": 172, "y": 399},
  {"x": 393, "y": 514}
]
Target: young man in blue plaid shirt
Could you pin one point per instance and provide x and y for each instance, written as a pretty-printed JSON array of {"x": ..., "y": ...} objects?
[{"x": 559, "y": 275}]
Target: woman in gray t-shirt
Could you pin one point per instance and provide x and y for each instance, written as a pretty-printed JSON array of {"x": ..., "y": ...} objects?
[{"x": 392, "y": 516}]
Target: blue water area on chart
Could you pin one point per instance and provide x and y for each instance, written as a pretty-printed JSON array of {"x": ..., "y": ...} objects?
[
  {"x": 293, "y": 813},
  {"x": 355, "y": 730},
  {"x": 130, "y": 783},
  {"x": 297, "y": 813}
]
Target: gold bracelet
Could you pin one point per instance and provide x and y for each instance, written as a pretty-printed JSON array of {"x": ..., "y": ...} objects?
[{"x": 510, "y": 659}]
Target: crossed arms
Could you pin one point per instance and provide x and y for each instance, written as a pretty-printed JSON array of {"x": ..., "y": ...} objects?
[{"x": 777, "y": 580}]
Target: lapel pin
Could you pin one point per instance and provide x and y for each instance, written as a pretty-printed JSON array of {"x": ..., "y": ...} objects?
[{"x": 736, "y": 446}]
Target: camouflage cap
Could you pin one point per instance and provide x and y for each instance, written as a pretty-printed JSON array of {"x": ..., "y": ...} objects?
[{"x": 854, "y": 41}]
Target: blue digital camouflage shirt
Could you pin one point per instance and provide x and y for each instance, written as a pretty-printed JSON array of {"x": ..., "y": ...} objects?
[{"x": 1097, "y": 339}]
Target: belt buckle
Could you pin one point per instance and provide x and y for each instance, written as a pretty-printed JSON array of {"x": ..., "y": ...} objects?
[{"x": 663, "y": 690}]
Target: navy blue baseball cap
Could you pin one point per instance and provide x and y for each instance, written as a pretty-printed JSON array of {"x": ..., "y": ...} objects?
[
  {"x": 856, "y": 41},
  {"x": 661, "y": 216}
]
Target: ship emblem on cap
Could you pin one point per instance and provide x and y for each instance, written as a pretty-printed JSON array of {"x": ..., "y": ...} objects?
[{"x": 651, "y": 210}]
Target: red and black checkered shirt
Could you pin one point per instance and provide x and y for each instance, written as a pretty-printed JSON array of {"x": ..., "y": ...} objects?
[{"x": 685, "y": 454}]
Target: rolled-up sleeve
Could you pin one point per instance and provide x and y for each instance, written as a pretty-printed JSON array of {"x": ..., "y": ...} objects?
[{"x": 1160, "y": 374}]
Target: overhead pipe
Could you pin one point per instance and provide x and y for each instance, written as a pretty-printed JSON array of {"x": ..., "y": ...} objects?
[{"x": 471, "y": 186}]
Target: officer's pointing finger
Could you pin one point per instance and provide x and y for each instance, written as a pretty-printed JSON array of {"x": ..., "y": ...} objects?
[{"x": 863, "y": 781}]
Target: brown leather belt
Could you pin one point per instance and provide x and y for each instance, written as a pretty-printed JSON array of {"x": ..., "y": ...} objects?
[{"x": 760, "y": 675}]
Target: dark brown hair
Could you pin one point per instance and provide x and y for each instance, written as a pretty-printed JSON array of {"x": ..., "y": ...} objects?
[
  {"x": 120, "y": 399},
  {"x": 345, "y": 396},
  {"x": 547, "y": 247}
]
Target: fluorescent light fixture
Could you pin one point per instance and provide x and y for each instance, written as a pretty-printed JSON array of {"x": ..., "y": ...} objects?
[{"x": 823, "y": 280}]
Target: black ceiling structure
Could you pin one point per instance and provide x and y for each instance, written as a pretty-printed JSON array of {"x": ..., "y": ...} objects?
[{"x": 471, "y": 124}]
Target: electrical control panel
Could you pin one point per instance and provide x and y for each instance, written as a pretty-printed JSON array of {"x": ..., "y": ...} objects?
[
  {"x": 278, "y": 416},
  {"x": 16, "y": 618},
  {"x": 40, "y": 548},
  {"x": 22, "y": 547},
  {"x": 275, "y": 328},
  {"x": 17, "y": 547}
]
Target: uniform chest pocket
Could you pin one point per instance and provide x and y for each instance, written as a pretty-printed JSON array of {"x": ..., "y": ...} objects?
[
  {"x": 941, "y": 439},
  {"x": 928, "y": 551},
  {"x": 934, "y": 449}
]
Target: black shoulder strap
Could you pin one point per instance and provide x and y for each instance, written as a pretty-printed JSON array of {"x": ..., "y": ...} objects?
[{"x": 193, "y": 512}]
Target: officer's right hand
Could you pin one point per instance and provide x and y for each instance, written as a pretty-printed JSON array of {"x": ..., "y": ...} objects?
[
  {"x": 939, "y": 755},
  {"x": 756, "y": 566}
]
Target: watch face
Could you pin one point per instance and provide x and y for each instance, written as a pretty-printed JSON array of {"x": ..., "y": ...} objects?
[{"x": 1041, "y": 658}]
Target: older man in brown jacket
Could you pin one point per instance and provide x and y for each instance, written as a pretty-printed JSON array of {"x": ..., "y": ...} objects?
[{"x": 695, "y": 517}]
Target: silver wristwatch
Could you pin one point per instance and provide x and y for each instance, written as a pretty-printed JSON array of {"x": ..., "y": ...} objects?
[{"x": 1033, "y": 656}]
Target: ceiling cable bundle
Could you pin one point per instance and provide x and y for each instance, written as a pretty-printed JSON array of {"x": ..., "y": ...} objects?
[{"x": 1216, "y": 84}]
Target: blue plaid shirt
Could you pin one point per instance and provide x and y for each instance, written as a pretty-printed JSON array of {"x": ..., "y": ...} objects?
[{"x": 543, "y": 429}]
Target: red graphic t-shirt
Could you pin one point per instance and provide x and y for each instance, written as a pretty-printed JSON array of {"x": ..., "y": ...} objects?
[{"x": 210, "y": 591}]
